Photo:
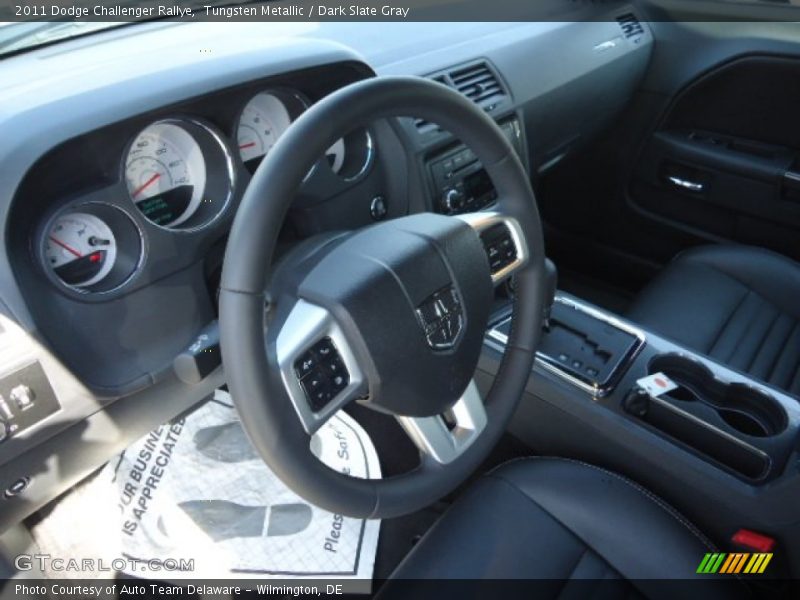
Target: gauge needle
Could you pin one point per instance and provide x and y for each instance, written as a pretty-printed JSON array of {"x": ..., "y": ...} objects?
[
  {"x": 65, "y": 246},
  {"x": 145, "y": 185},
  {"x": 247, "y": 145}
]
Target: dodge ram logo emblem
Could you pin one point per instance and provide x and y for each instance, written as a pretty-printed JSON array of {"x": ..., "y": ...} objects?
[{"x": 441, "y": 318}]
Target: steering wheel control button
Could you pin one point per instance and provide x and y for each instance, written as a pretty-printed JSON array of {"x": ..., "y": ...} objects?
[
  {"x": 441, "y": 318},
  {"x": 324, "y": 349},
  {"x": 335, "y": 367},
  {"x": 322, "y": 374},
  {"x": 500, "y": 248},
  {"x": 338, "y": 383},
  {"x": 317, "y": 389},
  {"x": 305, "y": 364}
]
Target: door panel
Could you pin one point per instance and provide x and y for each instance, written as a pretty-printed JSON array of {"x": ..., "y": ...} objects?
[
  {"x": 724, "y": 158},
  {"x": 719, "y": 107}
]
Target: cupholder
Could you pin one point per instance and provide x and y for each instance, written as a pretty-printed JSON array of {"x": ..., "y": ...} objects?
[
  {"x": 751, "y": 411},
  {"x": 744, "y": 408}
]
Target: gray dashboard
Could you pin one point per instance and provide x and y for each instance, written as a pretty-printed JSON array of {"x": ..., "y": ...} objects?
[{"x": 107, "y": 359}]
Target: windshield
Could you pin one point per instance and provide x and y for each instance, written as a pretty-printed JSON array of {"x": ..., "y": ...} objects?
[{"x": 21, "y": 36}]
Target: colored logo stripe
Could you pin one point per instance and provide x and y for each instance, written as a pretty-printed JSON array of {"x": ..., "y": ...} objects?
[
  {"x": 710, "y": 563},
  {"x": 736, "y": 562}
]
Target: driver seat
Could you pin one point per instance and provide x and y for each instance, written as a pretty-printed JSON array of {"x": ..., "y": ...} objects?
[{"x": 559, "y": 519}]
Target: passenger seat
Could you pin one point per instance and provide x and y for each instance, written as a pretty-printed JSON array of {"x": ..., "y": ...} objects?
[{"x": 737, "y": 304}]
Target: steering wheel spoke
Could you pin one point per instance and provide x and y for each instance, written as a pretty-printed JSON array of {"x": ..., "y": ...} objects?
[
  {"x": 317, "y": 365},
  {"x": 503, "y": 240},
  {"x": 445, "y": 437}
]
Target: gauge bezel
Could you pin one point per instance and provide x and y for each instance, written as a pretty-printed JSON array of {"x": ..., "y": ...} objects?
[
  {"x": 225, "y": 164},
  {"x": 123, "y": 239},
  {"x": 369, "y": 156}
]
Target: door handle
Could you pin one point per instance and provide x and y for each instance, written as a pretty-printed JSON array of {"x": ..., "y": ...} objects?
[{"x": 685, "y": 184}]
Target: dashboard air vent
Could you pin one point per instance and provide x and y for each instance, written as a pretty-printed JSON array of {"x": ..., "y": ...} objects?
[
  {"x": 631, "y": 27},
  {"x": 477, "y": 81}
]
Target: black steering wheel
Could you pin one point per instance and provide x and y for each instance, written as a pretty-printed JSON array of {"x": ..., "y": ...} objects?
[{"x": 396, "y": 312}]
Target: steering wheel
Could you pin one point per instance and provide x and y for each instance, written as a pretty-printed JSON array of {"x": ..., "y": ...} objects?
[{"x": 395, "y": 313}]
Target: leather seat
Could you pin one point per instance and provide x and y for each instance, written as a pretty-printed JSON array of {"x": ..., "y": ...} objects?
[
  {"x": 558, "y": 519},
  {"x": 737, "y": 304}
]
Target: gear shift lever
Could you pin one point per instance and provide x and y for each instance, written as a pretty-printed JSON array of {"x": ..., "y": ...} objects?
[{"x": 551, "y": 284}]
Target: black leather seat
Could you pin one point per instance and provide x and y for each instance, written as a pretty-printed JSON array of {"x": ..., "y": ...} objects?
[
  {"x": 737, "y": 304},
  {"x": 557, "y": 519}
]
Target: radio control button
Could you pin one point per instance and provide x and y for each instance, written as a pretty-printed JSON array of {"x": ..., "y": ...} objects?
[{"x": 453, "y": 200}]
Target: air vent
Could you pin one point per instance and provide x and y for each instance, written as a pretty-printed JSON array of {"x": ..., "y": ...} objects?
[
  {"x": 477, "y": 82},
  {"x": 631, "y": 27}
]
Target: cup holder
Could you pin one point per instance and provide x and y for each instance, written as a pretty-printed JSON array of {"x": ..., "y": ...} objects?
[{"x": 744, "y": 408}]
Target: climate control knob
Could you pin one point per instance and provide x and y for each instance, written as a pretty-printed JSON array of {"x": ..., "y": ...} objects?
[{"x": 453, "y": 200}]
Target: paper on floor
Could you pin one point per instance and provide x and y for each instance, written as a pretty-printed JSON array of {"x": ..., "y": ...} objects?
[{"x": 196, "y": 489}]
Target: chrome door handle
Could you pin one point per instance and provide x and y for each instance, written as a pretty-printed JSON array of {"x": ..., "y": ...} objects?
[{"x": 692, "y": 186}]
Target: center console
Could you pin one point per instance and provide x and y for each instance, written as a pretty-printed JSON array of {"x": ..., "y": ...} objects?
[
  {"x": 719, "y": 445},
  {"x": 723, "y": 418},
  {"x": 584, "y": 346}
]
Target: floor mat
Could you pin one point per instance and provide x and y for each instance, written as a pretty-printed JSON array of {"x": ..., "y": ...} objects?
[{"x": 196, "y": 489}]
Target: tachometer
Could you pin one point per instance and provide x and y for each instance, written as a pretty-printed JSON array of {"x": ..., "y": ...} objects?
[
  {"x": 166, "y": 174},
  {"x": 80, "y": 249},
  {"x": 267, "y": 116},
  {"x": 264, "y": 118}
]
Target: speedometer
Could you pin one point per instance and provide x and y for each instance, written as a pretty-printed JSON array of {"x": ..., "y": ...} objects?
[{"x": 165, "y": 172}]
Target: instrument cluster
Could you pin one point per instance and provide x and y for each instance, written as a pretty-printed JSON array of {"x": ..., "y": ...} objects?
[{"x": 180, "y": 174}]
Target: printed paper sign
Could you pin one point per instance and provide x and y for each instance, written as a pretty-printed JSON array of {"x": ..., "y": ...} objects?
[
  {"x": 196, "y": 488},
  {"x": 656, "y": 384}
]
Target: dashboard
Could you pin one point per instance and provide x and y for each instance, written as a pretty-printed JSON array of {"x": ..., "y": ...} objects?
[
  {"x": 120, "y": 179},
  {"x": 108, "y": 225}
]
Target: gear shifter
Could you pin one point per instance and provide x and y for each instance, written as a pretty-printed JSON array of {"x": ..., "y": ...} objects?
[{"x": 551, "y": 284}]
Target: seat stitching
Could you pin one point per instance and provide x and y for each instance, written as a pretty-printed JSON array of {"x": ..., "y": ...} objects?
[
  {"x": 652, "y": 497},
  {"x": 734, "y": 274},
  {"x": 774, "y": 365},
  {"x": 727, "y": 322},
  {"x": 743, "y": 334},
  {"x": 533, "y": 501},
  {"x": 764, "y": 337},
  {"x": 787, "y": 385}
]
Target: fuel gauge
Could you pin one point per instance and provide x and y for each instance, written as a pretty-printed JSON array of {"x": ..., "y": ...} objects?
[{"x": 80, "y": 249}]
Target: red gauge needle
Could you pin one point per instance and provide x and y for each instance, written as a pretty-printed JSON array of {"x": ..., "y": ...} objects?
[
  {"x": 247, "y": 145},
  {"x": 65, "y": 246},
  {"x": 145, "y": 185}
]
